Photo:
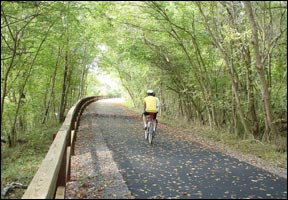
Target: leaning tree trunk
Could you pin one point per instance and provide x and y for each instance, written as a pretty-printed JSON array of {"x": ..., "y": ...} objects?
[
  {"x": 260, "y": 70},
  {"x": 19, "y": 103},
  {"x": 61, "y": 116},
  {"x": 64, "y": 88},
  {"x": 51, "y": 96}
]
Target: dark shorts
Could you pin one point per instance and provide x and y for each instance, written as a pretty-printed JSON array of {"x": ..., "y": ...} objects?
[{"x": 147, "y": 113}]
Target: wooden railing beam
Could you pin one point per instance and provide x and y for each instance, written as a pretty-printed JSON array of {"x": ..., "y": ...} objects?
[{"x": 50, "y": 180}]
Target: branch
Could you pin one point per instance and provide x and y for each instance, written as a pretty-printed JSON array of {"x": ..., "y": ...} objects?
[
  {"x": 142, "y": 28},
  {"x": 5, "y": 18},
  {"x": 11, "y": 186},
  {"x": 19, "y": 20}
]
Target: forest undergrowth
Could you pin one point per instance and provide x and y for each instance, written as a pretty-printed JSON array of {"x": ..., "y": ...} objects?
[{"x": 20, "y": 163}]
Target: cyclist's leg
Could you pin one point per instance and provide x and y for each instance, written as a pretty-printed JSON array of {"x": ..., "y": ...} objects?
[
  {"x": 145, "y": 119},
  {"x": 150, "y": 130},
  {"x": 156, "y": 120}
]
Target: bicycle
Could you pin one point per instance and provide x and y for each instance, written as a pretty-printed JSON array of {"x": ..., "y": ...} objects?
[{"x": 150, "y": 132}]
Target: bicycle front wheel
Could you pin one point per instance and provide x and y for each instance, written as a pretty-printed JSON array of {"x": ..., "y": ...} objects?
[
  {"x": 146, "y": 134},
  {"x": 150, "y": 132}
]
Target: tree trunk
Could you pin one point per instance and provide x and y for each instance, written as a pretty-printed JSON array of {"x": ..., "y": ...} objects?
[
  {"x": 52, "y": 88},
  {"x": 260, "y": 69},
  {"x": 234, "y": 115},
  {"x": 83, "y": 74},
  {"x": 61, "y": 116},
  {"x": 64, "y": 88},
  {"x": 6, "y": 75},
  {"x": 250, "y": 96},
  {"x": 13, "y": 130},
  {"x": 237, "y": 99}
]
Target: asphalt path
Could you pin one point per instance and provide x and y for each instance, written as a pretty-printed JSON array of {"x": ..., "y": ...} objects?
[{"x": 176, "y": 166}]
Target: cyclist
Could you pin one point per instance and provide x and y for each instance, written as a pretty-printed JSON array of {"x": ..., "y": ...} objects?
[{"x": 150, "y": 106}]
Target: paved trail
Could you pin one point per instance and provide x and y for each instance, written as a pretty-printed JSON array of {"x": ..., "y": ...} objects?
[{"x": 114, "y": 161}]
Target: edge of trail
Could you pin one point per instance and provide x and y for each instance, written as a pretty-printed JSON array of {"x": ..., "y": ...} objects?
[{"x": 94, "y": 173}]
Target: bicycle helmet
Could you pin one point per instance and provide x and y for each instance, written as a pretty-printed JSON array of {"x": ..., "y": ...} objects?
[{"x": 150, "y": 91}]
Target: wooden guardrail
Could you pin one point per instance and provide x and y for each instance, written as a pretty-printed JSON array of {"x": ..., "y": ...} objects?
[{"x": 50, "y": 180}]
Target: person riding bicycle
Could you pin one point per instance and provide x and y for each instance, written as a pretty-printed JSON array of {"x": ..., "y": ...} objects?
[{"x": 151, "y": 105}]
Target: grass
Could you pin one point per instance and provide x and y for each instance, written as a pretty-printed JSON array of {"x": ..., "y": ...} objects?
[{"x": 20, "y": 163}]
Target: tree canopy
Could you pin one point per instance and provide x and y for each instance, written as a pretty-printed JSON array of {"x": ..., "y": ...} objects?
[{"x": 214, "y": 63}]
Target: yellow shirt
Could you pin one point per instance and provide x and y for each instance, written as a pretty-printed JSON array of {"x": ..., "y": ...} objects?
[{"x": 150, "y": 102}]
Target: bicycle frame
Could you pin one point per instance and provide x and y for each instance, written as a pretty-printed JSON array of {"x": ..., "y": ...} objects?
[{"x": 151, "y": 127}]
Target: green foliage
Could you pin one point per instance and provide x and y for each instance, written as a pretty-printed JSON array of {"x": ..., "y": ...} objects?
[
  {"x": 19, "y": 164},
  {"x": 149, "y": 43},
  {"x": 45, "y": 45},
  {"x": 190, "y": 53}
]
